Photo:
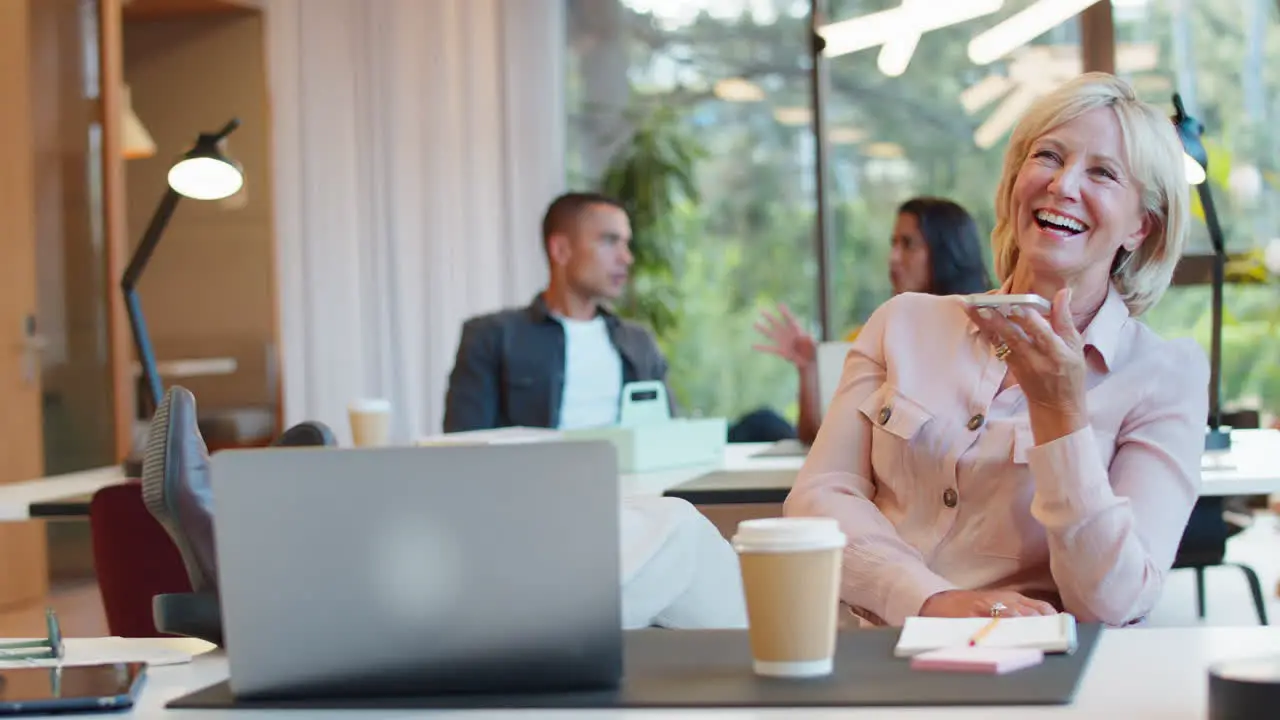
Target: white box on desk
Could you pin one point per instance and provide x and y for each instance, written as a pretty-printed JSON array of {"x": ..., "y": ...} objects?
[
  {"x": 648, "y": 438},
  {"x": 662, "y": 445}
]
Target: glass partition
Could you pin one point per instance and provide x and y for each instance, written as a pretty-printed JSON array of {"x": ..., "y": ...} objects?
[
  {"x": 71, "y": 312},
  {"x": 907, "y": 114},
  {"x": 1222, "y": 56}
]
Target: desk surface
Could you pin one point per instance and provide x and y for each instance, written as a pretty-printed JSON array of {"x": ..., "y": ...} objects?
[
  {"x": 17, "y": 499},
  {"x": 192, "y": 367},
  {"x": 1251, "y": 467},
  {"x": 1172, "y": 685}
]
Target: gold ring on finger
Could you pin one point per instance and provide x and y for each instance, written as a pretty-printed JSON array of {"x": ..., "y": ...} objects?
[{"x": 1002, "y": 351}]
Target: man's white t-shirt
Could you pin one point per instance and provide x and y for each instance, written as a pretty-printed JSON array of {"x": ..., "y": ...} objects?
[{"x": 592, "y": 375}]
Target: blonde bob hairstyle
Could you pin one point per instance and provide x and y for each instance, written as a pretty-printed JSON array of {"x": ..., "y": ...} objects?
[{"x": 1154, "y": 157}]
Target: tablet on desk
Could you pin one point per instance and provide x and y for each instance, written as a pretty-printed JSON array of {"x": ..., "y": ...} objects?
[{"x": 76, "y": 688}]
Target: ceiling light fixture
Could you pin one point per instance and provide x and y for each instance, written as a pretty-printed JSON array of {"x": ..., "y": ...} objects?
[
  {"x": 1023, "y": 27},
  {"x": 898, "y": 30}
]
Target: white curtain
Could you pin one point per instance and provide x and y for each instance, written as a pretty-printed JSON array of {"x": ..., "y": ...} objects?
[{"x": 416, "y": 144}]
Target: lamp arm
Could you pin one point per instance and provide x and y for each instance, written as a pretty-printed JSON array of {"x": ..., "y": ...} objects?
[
  {"x": 1219, "y": 281},
  {"x": 133, "y": 306},
  {"x": 227, "y": 129},
  {"x": 150, "y": 238},
  {"x": 142, "y": 342},
  {"x": 1216, "y": 237}
]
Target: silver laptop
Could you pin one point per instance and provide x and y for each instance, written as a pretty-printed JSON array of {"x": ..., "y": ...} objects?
[{"x": 419, "y": 570}]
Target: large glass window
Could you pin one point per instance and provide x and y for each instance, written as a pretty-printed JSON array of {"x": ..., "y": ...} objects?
[
  {"x": 937, "y": 126},
  {"x": 1223, "y": 57},
  {"x": 735, "y": 73},
  {"x": 906, "y": 117}
]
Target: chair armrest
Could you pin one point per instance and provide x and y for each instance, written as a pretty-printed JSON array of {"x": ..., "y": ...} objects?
[{"x": 196, "y": 615}]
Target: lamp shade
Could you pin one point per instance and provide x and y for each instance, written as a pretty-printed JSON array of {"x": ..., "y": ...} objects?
[
  {"x": 205, "y": 172},
  {"x": 1195, "y": 172},
  {"x": 1195, "y": 157},
  {"x": 205, "y": 178},
  {"x": 137, "y": 141}
]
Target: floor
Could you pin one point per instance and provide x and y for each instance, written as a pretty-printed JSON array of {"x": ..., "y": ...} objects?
[
  {"x": 1228, "y": 602},
  {"x": 1227, "y": 598},
  {"x": 79, "y": 609}
]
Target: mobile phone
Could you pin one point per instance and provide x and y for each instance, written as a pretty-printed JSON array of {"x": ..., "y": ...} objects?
[
  {"x": 1003, "y": 302},
  {"x": 70, "y": 688}
]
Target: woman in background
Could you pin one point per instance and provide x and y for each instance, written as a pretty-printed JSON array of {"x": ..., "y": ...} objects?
[{"x": 936, "y": 250}]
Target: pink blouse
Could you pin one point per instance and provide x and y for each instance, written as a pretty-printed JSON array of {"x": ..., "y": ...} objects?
[{"x": 937, "y": 481}]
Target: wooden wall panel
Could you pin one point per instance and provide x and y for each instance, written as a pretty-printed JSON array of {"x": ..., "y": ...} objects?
[
  {"x": 23, "y": 549},
  {"x": 111, "y": 58}
]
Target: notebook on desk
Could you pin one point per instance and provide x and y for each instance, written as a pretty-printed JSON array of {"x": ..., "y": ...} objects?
[{"x": 1047, "y": 633}]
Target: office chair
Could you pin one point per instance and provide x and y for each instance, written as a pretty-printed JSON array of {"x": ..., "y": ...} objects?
[
  {"x": 198, "y": 613},
  {"x": 1213, "y": 521}
]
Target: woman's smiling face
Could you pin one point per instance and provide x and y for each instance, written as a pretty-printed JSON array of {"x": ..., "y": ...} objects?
[{"x": 1075, "y": 201}]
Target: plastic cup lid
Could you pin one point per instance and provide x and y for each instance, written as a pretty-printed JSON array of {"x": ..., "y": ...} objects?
[
  {"x": 789, "y": 533},
  {"x": 371, "y": 405}
]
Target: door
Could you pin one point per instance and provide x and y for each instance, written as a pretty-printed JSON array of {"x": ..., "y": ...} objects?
[{"x": 23, "y": 561}]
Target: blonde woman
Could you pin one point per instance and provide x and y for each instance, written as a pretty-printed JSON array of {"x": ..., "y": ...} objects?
[{"x": 990, "y": 465}]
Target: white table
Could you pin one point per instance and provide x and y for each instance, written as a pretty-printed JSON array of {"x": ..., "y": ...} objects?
[
  {"x": 192, "y": 367},
  {"x": 17, "y": 498},
  {"x": 1251, "y": 467},
  {"x": 1136, "y": 674}
]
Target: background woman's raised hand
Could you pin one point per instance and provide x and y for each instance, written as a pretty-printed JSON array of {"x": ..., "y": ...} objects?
[{"x": 786, "y": 338}]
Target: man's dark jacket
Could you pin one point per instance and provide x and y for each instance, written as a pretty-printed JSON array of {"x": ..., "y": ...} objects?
[{"x": 510, "y": 367}]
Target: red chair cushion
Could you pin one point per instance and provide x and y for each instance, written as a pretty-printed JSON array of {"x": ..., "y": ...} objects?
[{"x": 134, "y": 558}]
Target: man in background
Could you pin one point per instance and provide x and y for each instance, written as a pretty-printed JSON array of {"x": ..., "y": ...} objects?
[{"x": 562, "y": 361}]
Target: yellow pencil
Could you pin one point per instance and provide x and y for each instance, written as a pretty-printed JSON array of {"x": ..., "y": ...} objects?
[{"x": 986, "y": 629}]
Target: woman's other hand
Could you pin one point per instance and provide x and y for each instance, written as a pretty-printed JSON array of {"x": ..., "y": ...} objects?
[
  {"x": 978, "y": 603},
  {"x": 786, "y": 338}
]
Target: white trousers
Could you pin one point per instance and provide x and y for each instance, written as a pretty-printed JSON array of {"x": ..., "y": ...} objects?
[{"x": 677, "y": 570}]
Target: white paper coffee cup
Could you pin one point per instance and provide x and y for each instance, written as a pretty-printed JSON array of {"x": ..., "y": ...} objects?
[
  {"x": 791, "y": 578},
  {"x": 370, "y": 420}
]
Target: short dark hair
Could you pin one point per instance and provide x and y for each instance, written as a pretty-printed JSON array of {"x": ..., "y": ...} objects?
[
  {"x": 565, "y": 210},
  {"x": 955, "y": 248}
]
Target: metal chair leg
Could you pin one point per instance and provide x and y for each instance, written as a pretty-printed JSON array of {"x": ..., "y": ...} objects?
[
  {"x": 1200, "y": 593},
  {"x": 1255, "y": 587}
]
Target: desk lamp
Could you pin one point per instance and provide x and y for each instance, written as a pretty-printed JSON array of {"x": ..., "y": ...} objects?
[
  {"x": 1246, "y": 688},
  {"x": 1249, "y": 687},
  {"x": 203, "y": 173},
  {"x": 1197, "y": 164}
]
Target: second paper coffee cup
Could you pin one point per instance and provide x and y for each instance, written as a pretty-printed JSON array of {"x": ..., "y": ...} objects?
[
  {"x": 791, "y": 577},
  {"x": 370, "y": 422}
]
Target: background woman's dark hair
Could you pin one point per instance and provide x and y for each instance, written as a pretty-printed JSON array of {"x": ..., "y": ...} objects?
[{"x": 955, "y": 248}]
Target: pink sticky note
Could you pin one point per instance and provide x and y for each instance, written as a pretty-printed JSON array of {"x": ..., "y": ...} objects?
[{"x": 992, "y": 660}]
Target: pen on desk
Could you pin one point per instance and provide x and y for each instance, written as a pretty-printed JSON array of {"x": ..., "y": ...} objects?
[{"x": 977, "y": 637}]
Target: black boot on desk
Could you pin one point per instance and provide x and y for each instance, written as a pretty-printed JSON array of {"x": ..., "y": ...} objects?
[
  {"x": 177, "y": 492},
  {"x": 175, "y": 486}
]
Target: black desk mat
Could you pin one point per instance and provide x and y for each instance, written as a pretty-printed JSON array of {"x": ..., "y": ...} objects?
[
  {"x": 736, "y": 487},
  {"x": 712, "y": 668}
]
